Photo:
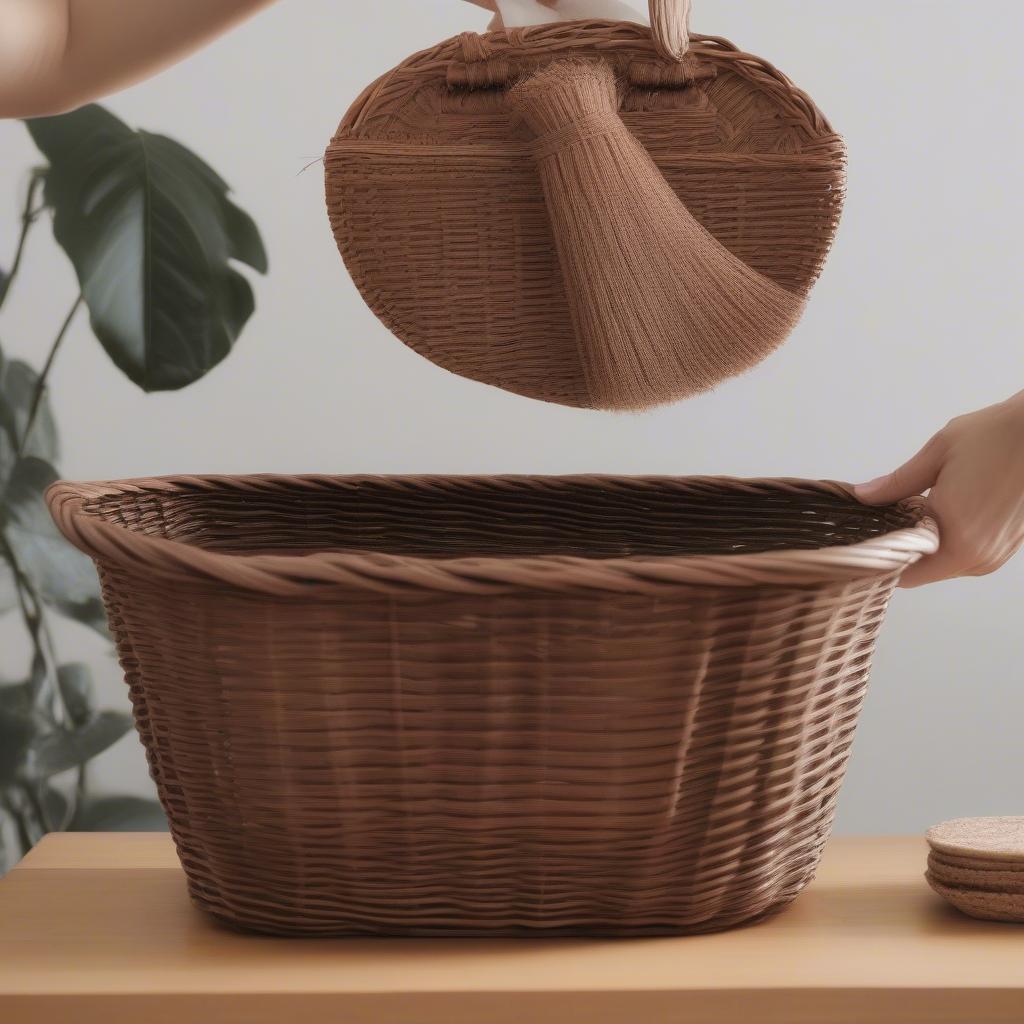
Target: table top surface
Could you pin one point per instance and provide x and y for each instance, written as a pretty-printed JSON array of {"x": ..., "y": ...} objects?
[{"x": 102, "y": 922}]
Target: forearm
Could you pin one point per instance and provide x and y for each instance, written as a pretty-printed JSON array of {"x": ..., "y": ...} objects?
[{"x": 59, "y": 54}]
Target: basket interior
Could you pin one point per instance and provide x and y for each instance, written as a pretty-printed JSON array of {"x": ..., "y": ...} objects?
[{"x": 463, "y": 517}]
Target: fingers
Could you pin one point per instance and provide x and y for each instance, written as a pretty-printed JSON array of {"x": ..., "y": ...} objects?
[
  {"x": 974, "y": 475},
  {"x": 972, "y": 549},
  {"x": 913, "y": 477},
  {"x": 930, "y": 569},
  {"x": 945, "y": 565}
]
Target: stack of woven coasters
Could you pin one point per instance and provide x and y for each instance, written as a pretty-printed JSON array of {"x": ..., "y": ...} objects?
[{"x": 977, "y": 864}]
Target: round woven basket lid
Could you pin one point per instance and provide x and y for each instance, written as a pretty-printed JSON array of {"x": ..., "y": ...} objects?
[{"x": 591, "y": 213}]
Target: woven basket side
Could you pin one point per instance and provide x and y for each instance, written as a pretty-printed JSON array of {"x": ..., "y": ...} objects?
[
  {"x": 395, "y": 213},
  {"x": 621, "y": 763}
]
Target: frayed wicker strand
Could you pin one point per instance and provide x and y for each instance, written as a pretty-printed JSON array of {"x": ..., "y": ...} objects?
[{"x": 660, "y": 308}]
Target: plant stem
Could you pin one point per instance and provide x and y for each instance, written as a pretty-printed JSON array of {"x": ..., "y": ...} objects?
[
  {"x": 80, "y": 784},
  {"x": 37, "y": 395},
  {"x": 28, "y": 216},
  {"x": 4, "y": 811},
  {"x": 21, "y": 824},
  {"x": 34, "y": 801},
  {"x": 46, "y": 651},
  {"x": 31, "y": 611}
]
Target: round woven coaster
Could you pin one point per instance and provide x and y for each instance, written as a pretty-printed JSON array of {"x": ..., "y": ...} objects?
[
  {"x": 984, "y": 864},
  {"x": 470, "y": 227},
  {"x": 996, "y": 838},
  {"x": 989, "y": 906},
  {"x": 966, "y": 878}
]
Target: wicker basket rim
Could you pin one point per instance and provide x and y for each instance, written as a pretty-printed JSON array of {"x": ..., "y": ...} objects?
[
  {"x": 623, "y": 37},
  {"x": 316, "y": 572}
]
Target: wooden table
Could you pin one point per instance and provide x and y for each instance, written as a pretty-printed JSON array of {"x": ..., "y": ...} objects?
[{"x": 98, "y": 928}]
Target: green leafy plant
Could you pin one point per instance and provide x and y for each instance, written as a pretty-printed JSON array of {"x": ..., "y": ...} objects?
[{"x": 154, "y": 242}]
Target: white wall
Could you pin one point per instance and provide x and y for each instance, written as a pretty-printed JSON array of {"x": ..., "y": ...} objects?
[{"x": 917, "y": 318}]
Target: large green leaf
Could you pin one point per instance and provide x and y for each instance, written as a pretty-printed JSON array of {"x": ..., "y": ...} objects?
[
  {"x": 19, "y": 725},
  {"x": 8, "y": 588},
  {"x": 8, "y": 425},
  {"x": 152, "y": 235},
  {"x": 61, "y": 749},
  {"x": 61, "y": 574},
  {"x": 18, "y": 384},
  {"x": 55, "y": 806},
  {"x": 74, "y": 680},
  {"x": 119, "y": 814},
  {"x": 23, "y": 717}
]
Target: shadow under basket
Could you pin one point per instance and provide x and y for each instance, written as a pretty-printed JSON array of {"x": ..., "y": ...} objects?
[{"x": 494, "y": 705}]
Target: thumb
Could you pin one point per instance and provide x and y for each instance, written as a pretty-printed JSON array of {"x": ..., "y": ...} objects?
[{"x": 914, "y": 476}]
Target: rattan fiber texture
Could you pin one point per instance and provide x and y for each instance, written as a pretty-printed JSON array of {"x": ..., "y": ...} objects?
[
  {"x": 494, "y": 705},
  {"x": 436, "y": 199}
]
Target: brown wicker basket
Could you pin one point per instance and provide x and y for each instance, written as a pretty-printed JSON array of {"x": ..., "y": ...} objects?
[
  {"x": 439, "y": 210},
  {"x": 494, "y": 705}
]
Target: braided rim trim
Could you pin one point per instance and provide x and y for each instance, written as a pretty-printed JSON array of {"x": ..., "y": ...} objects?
[
  {"x": 316, "y": 573},
  {"x": 616, "y": 38}
]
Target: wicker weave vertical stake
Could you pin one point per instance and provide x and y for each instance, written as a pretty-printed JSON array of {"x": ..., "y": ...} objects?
[{"x": 635, "y": 253}]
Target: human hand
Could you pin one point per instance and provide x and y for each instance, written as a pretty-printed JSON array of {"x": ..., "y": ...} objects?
[
  {"x": 56, "y": 55},
  {"x": 973, "y": 469},
  {"x": 508, "y": 13}
]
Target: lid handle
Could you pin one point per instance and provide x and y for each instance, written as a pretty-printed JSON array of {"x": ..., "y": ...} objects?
[{"x": 670, "y": 27}]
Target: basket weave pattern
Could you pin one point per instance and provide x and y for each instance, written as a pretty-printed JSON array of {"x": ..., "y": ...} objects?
[
  {"x": 494, "y": 705},
  {"x": 439, "y": 214}
]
